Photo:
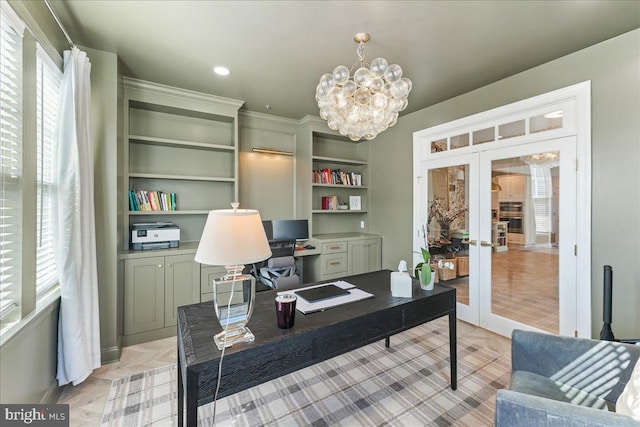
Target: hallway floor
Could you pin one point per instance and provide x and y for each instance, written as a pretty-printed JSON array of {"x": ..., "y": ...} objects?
[{"x": 524, "y": 286}]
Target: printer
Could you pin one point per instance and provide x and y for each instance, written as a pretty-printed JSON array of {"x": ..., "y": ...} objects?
[{"x": 154, "y": 235}]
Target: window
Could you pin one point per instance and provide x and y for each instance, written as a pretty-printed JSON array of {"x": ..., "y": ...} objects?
[
  {"x": 11, "y": 30},
  {"x": 541, "y": 193},
  {"x": 48, "y": 85}
]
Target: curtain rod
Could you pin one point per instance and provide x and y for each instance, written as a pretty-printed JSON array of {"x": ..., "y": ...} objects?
[{"x": 55, "y": 17}]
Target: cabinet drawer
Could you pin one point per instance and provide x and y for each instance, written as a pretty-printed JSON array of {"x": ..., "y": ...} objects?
[
  {"x": 332, "y": 264},
  {"x": 332, "y": 248}
]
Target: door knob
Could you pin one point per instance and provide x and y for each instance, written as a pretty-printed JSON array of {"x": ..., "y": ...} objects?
[
  {"x": 485, "y": 243},
  {"x": 473, "y": 242}
]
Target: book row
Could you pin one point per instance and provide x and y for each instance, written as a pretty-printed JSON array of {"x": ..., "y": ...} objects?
[
  {"x": 330, "y": 203},
  {"x": 336, "y": 176},
  {"x": 143, "y": 200}
]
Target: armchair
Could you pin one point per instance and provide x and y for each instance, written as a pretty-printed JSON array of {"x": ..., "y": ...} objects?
[{"x": 565, "y": 381}]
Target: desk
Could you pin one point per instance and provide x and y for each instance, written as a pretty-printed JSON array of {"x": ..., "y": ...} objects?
[{"x": 314, "y": 338}]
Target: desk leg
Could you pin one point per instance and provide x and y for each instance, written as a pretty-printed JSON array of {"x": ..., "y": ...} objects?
[
  {"x": 192, "y": 399},
  {"x": 180, "y": 392},
  {"x": 453, "y": 352}
]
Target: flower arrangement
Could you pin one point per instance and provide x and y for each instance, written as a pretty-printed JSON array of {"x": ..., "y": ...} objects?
[
  {"x": 439, "y": 210},
  {"x": 444, "y": 216}
]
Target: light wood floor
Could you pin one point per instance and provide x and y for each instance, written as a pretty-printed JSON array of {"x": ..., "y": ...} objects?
[
  {"x": 524, "y": 286},
  {"x": 86, "y": 401}
]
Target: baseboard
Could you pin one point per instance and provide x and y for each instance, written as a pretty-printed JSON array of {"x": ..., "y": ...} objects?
[
  {"x": 110, "y": 354},
  {"x": 52, "y": 394}
]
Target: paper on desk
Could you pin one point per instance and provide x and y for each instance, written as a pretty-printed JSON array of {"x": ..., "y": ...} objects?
[{"x": 306, "y": 307}]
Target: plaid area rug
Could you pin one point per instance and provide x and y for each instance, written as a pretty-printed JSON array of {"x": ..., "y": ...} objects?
[{"x": 405, "y": 385}]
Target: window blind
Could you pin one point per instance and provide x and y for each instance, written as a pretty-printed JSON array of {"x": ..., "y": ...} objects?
[
  {"x": 11, "y": 30},
  {"x": 47, "y": 91}
]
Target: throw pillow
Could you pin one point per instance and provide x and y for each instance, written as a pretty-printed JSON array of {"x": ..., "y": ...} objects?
[{"x": 629, "y": 401}]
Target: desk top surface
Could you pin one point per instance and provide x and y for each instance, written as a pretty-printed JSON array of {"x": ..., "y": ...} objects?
[{"x": 197, "y": 323}]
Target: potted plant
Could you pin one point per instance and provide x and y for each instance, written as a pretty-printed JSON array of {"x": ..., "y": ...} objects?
[{"x": 423, "y": 271}]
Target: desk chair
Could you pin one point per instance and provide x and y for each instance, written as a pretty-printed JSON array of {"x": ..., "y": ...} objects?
[{"x": 280, "y": 271}]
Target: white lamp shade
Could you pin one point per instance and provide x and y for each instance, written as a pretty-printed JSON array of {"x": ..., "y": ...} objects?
[{"x": 233, "y": 237}]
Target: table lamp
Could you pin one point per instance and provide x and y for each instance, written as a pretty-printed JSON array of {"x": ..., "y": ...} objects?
[{"x": 233, "y": 238}]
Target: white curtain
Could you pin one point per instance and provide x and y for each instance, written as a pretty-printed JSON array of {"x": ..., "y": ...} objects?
[{"x": 75, "y": 238}]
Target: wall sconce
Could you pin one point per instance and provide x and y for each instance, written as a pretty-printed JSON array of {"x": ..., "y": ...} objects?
[{"x": 271, "y": 151}]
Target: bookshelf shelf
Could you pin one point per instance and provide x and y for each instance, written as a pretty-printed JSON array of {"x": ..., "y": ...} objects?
[
  {"x": 338, "y": 160},
  {"x": 334, "y": 212},
  {"x": 184, "y": 212},
  {"x": 181, "y": 177},
  {"x": 139, "y": 139},
  {"x": 350, "y": 187}
]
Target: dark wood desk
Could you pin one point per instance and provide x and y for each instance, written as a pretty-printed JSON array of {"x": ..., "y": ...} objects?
[{"x": 314, "y": 338}]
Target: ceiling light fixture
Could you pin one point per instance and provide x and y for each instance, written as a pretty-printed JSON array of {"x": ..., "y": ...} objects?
[
  {"x": 549, "y": 159},
  {"x": 495, "y": 186},
  {"x": 554, "y": 114},
  {"x": 221, "y": 71},
  {"x": 367, "y": 103}
]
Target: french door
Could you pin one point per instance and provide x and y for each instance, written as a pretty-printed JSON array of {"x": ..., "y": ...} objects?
[{"x": 509, "y": 245}]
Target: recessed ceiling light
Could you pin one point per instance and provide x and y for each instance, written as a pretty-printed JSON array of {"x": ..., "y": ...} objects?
[{"x": 221, "y": 71}]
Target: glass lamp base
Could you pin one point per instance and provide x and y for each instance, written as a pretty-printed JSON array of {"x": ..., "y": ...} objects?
[{"x": 233, "y": 336}]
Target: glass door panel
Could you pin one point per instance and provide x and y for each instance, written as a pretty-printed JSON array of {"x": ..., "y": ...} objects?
[
  {"x": 523, "y": 252},
  {"x": 450, "y": 201}
]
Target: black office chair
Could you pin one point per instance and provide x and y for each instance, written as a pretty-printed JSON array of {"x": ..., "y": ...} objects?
[{"x": 279, "y": 271}]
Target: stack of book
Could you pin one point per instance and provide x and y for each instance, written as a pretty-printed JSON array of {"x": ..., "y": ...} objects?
[
  {"x": 143, "y": 200},
  {"x": 330, "y": 203},
  {"x": 336, "y": 176}
]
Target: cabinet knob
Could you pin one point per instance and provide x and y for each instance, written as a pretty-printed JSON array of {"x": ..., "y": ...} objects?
[
  {"x": 473, "y": 242},
  {"x": 334, "y": 263},
  {"x": 169, "y": 265},
  {"x": 159, "y": 265},
  {"x": 485, "y": 243}
]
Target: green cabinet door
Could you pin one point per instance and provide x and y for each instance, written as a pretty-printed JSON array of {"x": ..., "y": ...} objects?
[
  {"x": 143, "y": 294},
  {"x": 181, "y": 285},
  {"x": 365, "y": 255}
]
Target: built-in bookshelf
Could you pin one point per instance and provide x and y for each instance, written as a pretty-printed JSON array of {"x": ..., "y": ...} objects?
[
  {"x": 181, "y": 143},
  {"x": 338, "y": 157}
]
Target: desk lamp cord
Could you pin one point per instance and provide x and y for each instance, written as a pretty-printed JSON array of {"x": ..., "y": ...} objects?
[{"x": 224, "y": 347}]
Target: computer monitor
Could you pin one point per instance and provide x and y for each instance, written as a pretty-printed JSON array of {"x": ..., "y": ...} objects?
[
  {"x": 268, "y": 229},
  {"x": 297, "y": 229}
]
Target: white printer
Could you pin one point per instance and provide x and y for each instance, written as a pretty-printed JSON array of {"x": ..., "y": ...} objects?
[{"x": 154, "y": 235}]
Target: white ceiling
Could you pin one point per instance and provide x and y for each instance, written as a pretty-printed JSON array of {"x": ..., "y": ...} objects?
[{"x": 277, "y": 50}]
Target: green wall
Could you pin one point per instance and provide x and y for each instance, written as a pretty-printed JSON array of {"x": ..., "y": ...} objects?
[
  {"x": 105, "y": 90},
  {"x": 613, "y": 67}
]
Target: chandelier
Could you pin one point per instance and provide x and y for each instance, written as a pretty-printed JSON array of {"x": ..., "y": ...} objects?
[{"x": 366, "y": 103}]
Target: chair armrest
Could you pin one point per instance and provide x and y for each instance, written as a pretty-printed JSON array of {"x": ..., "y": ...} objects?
[{"x": 515, "y": 409}]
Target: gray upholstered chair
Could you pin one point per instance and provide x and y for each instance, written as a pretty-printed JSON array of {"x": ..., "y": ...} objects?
[{"x": 563, "y": 381}]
